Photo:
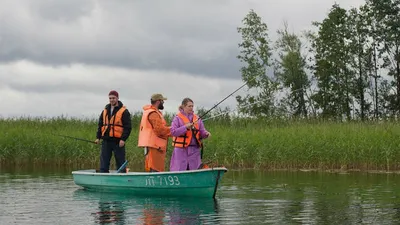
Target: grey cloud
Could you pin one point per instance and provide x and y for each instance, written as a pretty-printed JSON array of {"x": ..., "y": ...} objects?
[
  {"x": 197, "y": 37},
  {"x": 88, "y": 93},
  {"x": 136, "y": 47},
  {"x": 44, "y": 88},
  {"x": 220, "y": 66},
  {"x": 62, "y": 11},
  {"x": 136, "y": 34}
]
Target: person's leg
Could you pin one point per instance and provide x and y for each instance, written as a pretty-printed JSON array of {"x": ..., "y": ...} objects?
[
  {"x": 146, "y": 160},
  {"x": 157, "y": 160},
  {"x": 149, "y": 162},
  {"x": 194, "y": 157},
  {"x": 119, "y": 154},
  {"x": 154, "y": 160},
  {"x": 105, "y": 156},
  {"x": 178, "y": 160}
]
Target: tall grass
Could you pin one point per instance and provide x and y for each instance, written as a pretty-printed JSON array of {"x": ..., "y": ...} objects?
[{"x": 235, "y": 143}]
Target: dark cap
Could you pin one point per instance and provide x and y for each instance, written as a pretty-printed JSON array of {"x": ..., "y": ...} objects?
[{"x": 113, "y": 93}]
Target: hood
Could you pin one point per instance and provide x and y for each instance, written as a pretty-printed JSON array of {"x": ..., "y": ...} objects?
[{"x": 146, "y": 107}]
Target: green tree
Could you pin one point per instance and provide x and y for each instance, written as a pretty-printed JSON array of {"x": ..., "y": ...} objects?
[
  {"x": 373, "y": 61},
  {"x": 386, "y": 99},
  {"x": 334, "y": 78},
  {"x": 360, "y": 52},
  {"x": 290, "y": 70},
  {"x": 385, "y": 16},
  {"x": 255, "y": 53}
]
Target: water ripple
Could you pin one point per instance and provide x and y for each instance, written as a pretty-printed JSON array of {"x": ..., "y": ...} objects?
[{"x": 253, "y": 199}]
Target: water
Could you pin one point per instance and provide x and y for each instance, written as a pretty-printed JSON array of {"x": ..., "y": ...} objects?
[{"x": 247, "y": 197}]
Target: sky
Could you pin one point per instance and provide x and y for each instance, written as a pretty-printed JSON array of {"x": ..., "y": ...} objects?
[{"x": 62, "y": 57}]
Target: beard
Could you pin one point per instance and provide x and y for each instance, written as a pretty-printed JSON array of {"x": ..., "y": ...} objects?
[{"x": 161, "y": 106}]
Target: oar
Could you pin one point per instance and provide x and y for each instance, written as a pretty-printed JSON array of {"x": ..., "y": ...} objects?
[
  {"x": 75, "y": 138},
  {"x": 122, "y": 167}
]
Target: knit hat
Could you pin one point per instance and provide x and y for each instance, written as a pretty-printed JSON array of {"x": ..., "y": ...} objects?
[{"x": 113, "y": 93}]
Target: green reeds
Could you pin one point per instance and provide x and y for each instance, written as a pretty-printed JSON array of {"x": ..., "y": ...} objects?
[{"x": 235, "y": 143}]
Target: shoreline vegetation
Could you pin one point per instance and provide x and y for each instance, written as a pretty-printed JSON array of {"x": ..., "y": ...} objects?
[{"x": 236, "y": 143}]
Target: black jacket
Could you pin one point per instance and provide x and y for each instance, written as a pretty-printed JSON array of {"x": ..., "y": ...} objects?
[{"x": 126, "y": 123}]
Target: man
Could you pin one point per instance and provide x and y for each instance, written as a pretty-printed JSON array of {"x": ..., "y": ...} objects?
[
  {"x": 114, "y": 128},
  {"x": 153, "y": 134}
]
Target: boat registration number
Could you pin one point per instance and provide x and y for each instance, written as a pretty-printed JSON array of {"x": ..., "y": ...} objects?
[{"x": 162, "y": 181}]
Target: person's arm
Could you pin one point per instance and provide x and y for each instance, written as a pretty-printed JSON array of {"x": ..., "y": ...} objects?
[
  {"x": 127, "y": 123},
  {"x": 177, "y": 128},
  {"x": 99, "y": 125},
  {"x": 203, "y": 132},
  {"x": 161, "y": 130}
]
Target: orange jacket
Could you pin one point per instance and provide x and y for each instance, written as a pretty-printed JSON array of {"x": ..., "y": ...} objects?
[
  {"x": 184, "y": 140},
  {"x": 115, "y": 124},
  {"x": 147, "y": 135}
]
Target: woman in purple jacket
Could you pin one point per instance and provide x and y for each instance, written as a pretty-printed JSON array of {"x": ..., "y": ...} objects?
[{"x": 187, "y": 131}]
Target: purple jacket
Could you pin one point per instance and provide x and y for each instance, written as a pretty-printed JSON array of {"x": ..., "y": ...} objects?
[{"x": 178, "y": 127}]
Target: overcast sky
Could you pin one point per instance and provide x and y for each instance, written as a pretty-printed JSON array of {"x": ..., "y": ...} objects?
[{"x": 62, "y": 57}]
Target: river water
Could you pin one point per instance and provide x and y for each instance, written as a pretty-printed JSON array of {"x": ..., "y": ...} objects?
[{"x": 244, "y": 197}]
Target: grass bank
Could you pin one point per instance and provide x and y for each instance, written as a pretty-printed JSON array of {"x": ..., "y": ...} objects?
[{"x": 235, "y": 143}]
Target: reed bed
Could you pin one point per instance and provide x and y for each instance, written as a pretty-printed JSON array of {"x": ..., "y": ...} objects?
[{"x": 235, "y": 143}]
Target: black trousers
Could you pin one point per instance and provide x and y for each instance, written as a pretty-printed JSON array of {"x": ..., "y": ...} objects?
[{"x": 107, "y": 148}]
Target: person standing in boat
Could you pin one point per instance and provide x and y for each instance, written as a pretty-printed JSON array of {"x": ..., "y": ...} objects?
[
  {"x": 188, "y": 131},
  {"x": 114, "y": 128},
  {"x": 153, "y": 134}
]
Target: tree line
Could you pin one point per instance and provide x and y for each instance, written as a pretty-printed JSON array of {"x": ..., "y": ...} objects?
[{"x": 348, "y": 69}]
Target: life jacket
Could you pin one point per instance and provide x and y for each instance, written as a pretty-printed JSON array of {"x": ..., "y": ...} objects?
[
  {"x": 203, "y": 166},
  {"x": 147, "y": 136},
  {"x": 184, "y": 140},
  {"x": 114, "y": 125}
]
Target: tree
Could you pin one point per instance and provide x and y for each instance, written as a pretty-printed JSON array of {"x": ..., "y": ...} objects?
[
  {"x": 255, "y": 53},
  {"x": 360, "y": 61},
  {"x": 290, "y": 70},
  {"x": 373, "y": 63},
  {"x": 331, "y": 56},
  {"x": 386, "y": 18}
]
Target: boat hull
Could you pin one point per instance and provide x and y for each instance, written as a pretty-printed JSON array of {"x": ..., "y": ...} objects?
[{"x": 193, "y": 183}]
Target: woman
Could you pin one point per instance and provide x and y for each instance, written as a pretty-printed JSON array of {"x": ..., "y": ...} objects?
[{"x": 187, "y": 131}]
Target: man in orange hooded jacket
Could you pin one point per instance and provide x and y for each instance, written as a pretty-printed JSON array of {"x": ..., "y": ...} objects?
[{"x": 153, "y": 134}]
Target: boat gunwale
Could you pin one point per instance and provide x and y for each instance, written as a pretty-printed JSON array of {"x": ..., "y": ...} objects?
[{"x": 90, "y": 172}]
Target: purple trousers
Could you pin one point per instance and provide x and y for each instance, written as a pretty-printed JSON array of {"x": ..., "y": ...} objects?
[{"x": 184, "y": 158}]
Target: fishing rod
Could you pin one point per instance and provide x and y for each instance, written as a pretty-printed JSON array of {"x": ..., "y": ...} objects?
[
  {"x": 201, "y": 117},
  {"x": 75, "y": 138},
  {"x": 218, "y": 115},
  {"x": 221, "y": 114},
  {"x": 226, "y": 97}
]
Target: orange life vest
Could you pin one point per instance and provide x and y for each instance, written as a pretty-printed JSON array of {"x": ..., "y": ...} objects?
[
  {"x": 115, "y": 124},
  {"x": 184, "y": 140},
  {"x": 147, "y": 136}
]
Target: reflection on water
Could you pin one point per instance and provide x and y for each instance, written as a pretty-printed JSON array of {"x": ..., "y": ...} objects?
[
  {"x": 246, "y": 197},
  {"x": 121, "y": 209},
  {"x": 313, "y": 197},
  {"x": 110, "y": 211}
]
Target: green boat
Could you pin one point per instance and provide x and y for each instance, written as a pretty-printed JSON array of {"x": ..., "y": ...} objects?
[{"x": 190, "y": 183}]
